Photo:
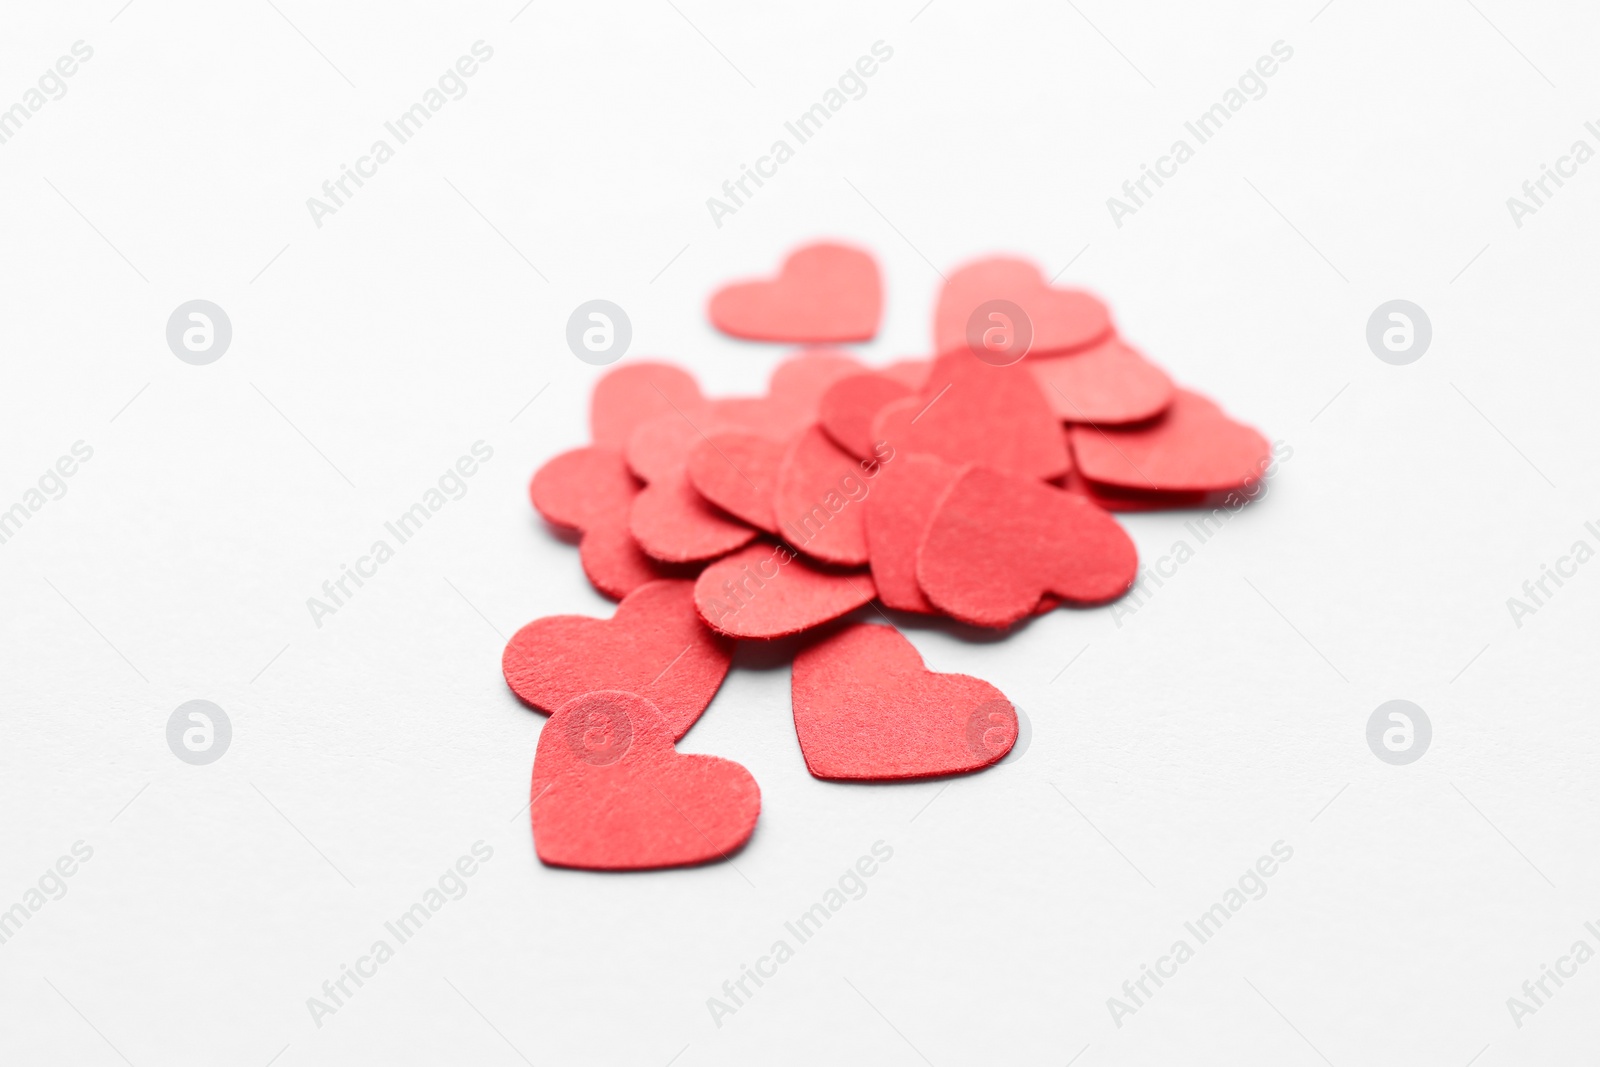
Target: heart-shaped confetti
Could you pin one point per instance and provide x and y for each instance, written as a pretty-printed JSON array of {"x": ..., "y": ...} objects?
[
  {"x": 977, "y": 485},
  {"x": 1106, "y": 385},
  {"x": 766, "y": 591},
  {"x": 1193, "y": 448},
  {"x": 823, "y": 293},
  {"x": 851, "y": 404},
  {"x": 738, "y": 473},
  {"x": 590, "y": 490},
  {"x": 655, "y": 645},
  {"x": 1059, "y": 320},
  {"x": 972, "y": 412},
  {"x": 866, "y": 707},
  {"x": 819, "y": 501},
  {"x": 998, "y": 542},
  {"x": 610, "y": 793},
  {"x": 897, "y": 513},
  {"x": 635, "y": 393}
]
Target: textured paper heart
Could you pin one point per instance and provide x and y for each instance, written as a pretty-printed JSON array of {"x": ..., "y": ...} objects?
[
  {"x": 898, "y": 511},
  {"x": 823, "y": 292},
  {"x": 633, "y": 394},
  {"x": 866, "y": 707},
  {"x": 851, "y": 404},
  {"x": 670, "y": 519},
  {"x": 972, "y": 412},
  {"x": 591, "y": 491},
  {"x": 766, "y": 591},
  {"x": 997, "y": 543},
  {"x": 610, "y": 793},
  {"x": 1193, "y": 448},
  {"x": 819, "y": 500},
  {"x": 1061, "y": 320},
  {"x": 1107, "y": 384},
  {"x": 654, "y": 645},
  {"x": 738, "y": 472}
]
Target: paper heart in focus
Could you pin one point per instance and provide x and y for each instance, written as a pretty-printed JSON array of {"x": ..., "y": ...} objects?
[
  {"x": 972, "y": 412},
  {"x": 590, "y": 490},
  {"x": 767, "y": 591},
  {"x": 610, "y": 792},
  {"x": 823, "y": 293},
  {"x": 866, "y": 707},
  {"x": 997, "y": 543},
  {"x": 738, "y": 472},
  {"x": 654, "y": 645}
]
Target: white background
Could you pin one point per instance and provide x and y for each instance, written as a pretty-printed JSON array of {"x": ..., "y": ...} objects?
[{"x": 1177, "y": 748}]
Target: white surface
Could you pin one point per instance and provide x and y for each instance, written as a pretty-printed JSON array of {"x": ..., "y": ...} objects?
[{"x": 1194, "y": 736}]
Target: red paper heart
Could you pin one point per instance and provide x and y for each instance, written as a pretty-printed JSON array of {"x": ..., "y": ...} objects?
[
  {"x": 1062, "y": 320},
  {"x": 972, "y": 412},
  {"x": 654, "y": 645},
  {"x": 866, "y": 707},
  {"x": 669, "y": 519},
  {"x": 824, "y": 292},
  {"x": 851, "y": 404},
  {"x": 610, "y": 793},
  {"x": 909, "y": 372},
  {"x": 1129, "y": 500},
  {"x": 767, "y": 591},
  {"x": 590, "y": 490},
  {"x": 738, "y": 473},
  {"x": 1193, "y": 448},
  {"x": 635, "y": 393},
  {"x": 799, "y": 383},
  {"x": 819, "y": 498},
  {"x": 997, "y": 543},
  {"x": 898, "y": 511},
  {"x": 1107, "y": 384}
]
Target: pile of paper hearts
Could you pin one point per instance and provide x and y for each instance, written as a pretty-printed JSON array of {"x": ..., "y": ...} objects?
[{"x": 976, "y": 484}]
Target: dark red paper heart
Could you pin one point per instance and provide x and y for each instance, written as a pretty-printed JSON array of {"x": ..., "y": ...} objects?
[
  {"x": 610, "y": 793},
  {"x": 767, "y": 591},
  {"x": 1193, "y": 448},
  {"x": 898, "y": 511},
  {"x": 1062, "y": 320},
  {"x": 851, "y": 404},
  {"x": 654, "y": 645},
  {"x": 738, "y": 472},
  {"x": 1107, "y": 384},
  {"x": 590, "y": 490},
  {"x": 823, "y": 293},
  {"x": 997, "y": 543},
  {"x": 819, "y": 500},
  {"x": 972, "y": 412},
  {"x": 866, "y": 707}
]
